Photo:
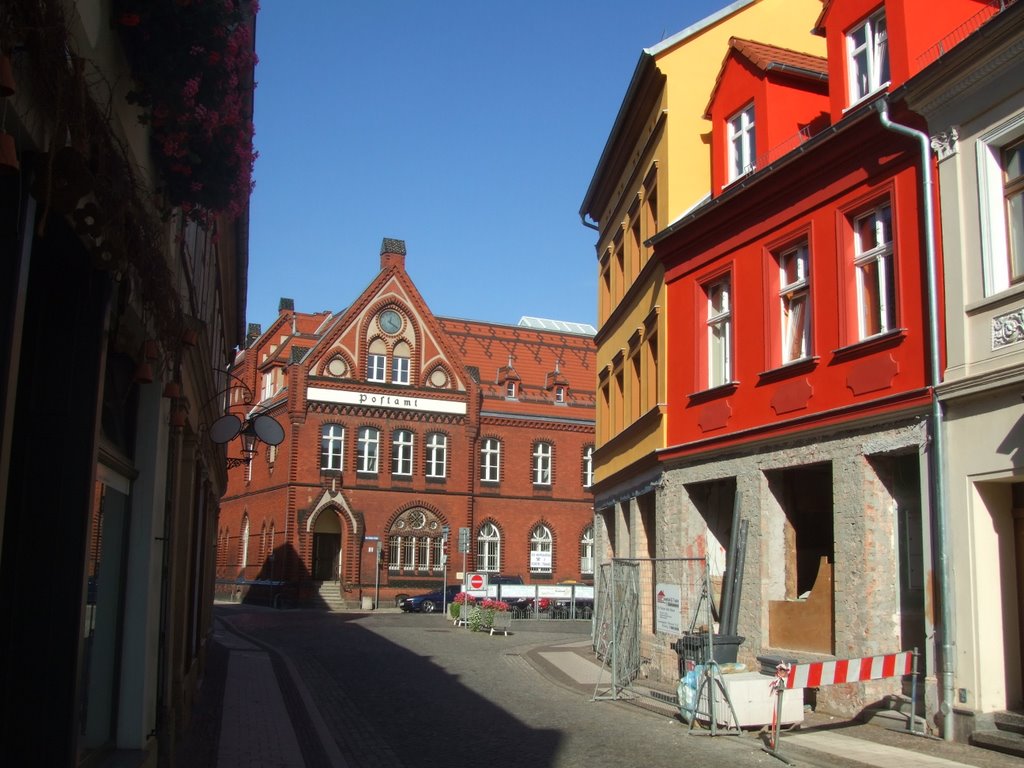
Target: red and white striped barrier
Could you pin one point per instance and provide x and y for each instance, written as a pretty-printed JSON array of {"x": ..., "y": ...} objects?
[{"x": 819, "y": 673}]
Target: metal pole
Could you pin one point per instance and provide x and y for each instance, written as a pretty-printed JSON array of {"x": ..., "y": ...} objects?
[
  {"x": 376, "y": 581},
  {"x": 938, "y": 453},
  {"x": 615, "y": 637},
  {"x": 913, "y": 692}
]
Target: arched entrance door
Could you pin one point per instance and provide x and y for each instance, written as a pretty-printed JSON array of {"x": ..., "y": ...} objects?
[{"x": 327, "y": 547}]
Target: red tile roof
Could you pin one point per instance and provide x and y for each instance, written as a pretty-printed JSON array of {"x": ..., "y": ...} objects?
[{"x": 766, "y": 57}]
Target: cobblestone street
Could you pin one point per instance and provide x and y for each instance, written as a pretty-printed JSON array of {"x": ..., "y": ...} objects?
[{"x": 391, "y": 690}]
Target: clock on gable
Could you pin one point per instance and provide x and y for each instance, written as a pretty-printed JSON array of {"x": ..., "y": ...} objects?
[{"x": 390, "y": 321}]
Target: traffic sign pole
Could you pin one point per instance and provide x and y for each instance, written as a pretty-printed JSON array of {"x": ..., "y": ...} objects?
[{"x": 444, "y": 569}]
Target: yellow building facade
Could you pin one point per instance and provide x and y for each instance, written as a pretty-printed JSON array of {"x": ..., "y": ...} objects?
[{"x": 655, "y": 167}]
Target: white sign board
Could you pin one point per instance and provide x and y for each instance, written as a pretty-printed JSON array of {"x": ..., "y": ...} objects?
[
  {"x": 540, "y": 561},
  {"x": 667, "y": 601},
  {"x": 376, "y": 399}
]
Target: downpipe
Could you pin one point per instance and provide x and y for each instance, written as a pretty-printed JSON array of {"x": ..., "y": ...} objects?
[{"x": 938, "y": 453}]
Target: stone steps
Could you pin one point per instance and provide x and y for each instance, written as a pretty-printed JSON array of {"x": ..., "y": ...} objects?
[
  {"x": 330, "y": 596},
  {"x": 1007, "y": 736}
]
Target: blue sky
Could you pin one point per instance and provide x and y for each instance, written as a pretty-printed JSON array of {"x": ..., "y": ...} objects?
[{"x": 468, "y": 128}]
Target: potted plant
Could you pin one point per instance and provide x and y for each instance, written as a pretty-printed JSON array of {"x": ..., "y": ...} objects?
[
  {"x": 483, "y": 617},
  {"x": 456, "y": 607}
]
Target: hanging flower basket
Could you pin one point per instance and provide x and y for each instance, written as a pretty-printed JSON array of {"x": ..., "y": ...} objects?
[{"x": 193, "y": 61}]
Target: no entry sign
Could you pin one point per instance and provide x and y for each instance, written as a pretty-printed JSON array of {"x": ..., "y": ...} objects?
[{"x": 477, "y": 581}]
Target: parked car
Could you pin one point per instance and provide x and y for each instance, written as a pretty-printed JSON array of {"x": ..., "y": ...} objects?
[
  {"x": 430, "y": 602},
  {"x": 498, "y": 578}
]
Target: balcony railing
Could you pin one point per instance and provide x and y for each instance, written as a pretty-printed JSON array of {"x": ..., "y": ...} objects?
[{"x": 962, "y": 32}]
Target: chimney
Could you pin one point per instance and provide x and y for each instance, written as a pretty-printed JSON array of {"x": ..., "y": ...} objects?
[
  {"x": 286, "y": 305},
  {"x": 392, "y": 253},
  {"x": 255, "y": 329}
]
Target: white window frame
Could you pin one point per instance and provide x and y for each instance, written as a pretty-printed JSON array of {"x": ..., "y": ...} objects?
[
  {"x": 867, "y": 60},
  {"x": 437, "y": 455},
  {"x": 588, "y": 466},
  {"x": 369, "y": 450},
  {"x": 542, "y": 540},
  {"x": 268, "y": 385},
  {"x": 559, "y": 394},
  {"x": 488, "y": 548},
  {"x": 402, "y": 441},
  {"x": 243, "y": 543},
  {"x": 587, "y": 550},
  {"x": 874, "y": 264},
  {"x": 490, "y": 460},
  {"x": 332, "y": 447},
  {"x": 394, "y": 553},
  {"x": 542, "y": 463},
  {"x": 718, "y": 293},
  {"x": 795, "y": 303},
  {"x": 995, "y": 246},
  {"x": 510, "y": 389},
  {"x": 400, "y": 370},
  {"x": 742, "y": 143},
  {"x": 376, "y": 367}
]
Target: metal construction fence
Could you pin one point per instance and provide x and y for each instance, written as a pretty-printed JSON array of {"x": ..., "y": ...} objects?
[{"x": 643, "y": 606}]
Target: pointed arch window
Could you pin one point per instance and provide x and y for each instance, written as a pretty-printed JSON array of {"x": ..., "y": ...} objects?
[
  {"x": 415, "y": 543},
  {"x": 587, "y": 551},
  {"x": 243, "y": 543},
  {"x": 488, "y": 548},
  {"x": 541, "y": 549}
]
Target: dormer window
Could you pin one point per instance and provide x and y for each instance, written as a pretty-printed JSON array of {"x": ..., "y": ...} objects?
[
  {"x": 508, "y": 377},
  {"x": 741, "y": 143},
  {"x": 272, "y": 382},
  {"x": 867, "y": 57},
  {"x": 557, "y": 384}
]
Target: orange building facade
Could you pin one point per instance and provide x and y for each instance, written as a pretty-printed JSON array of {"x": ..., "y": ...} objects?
[{"x": 402, "y": 429}]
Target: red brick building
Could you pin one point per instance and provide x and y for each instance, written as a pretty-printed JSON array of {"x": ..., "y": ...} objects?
[{"x": 400, "y": 426}]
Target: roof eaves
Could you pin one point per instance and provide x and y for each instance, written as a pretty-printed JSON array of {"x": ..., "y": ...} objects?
[
  {"x": 699, "y": 26},
  {"x": 864, "y": 111},
  {"x": 792, "y": 69},
  {"x": 645, "y": 62}
]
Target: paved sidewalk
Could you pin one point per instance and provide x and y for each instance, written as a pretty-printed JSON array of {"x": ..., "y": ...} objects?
[
  {"x": 255, "y": 711},
  {"x": 252, "y": 696}
]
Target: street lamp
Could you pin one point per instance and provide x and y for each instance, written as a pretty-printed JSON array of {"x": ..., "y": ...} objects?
[{"x": 256, "y": 427}]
